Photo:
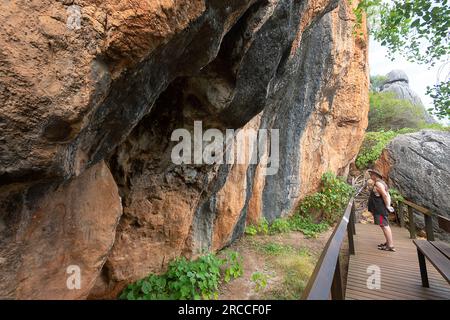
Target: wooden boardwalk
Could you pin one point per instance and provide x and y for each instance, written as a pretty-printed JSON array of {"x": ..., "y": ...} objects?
[{"x": 400, "y": 275}]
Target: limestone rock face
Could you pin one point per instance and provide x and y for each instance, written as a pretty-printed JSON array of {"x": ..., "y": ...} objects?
[
  {"x": 398, "y": 83},
  {"x": 95, "y": 89},
  {"x": 419, "y": 166},
  {"x": 56, "y": 231}
]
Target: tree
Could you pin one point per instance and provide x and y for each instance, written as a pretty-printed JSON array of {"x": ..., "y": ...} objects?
[
  {"x": 389, "y": 113},
  {"x": 376, "y": 82},
  {"x": 417, "y": 29}
]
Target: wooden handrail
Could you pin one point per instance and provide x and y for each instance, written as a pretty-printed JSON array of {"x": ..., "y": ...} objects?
[
  {"x": 326, "y": 279},
  {"x": 417, "y": 207},
  {"x": 428, "y": 216}
]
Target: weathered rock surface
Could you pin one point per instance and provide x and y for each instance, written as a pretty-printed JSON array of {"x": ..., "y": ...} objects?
[
  {"x": 398, "y": 83},
  {"x": 54, "y": 227},
  {"x": 115, "y": 90},
  {"x": 418, "y": 164}
]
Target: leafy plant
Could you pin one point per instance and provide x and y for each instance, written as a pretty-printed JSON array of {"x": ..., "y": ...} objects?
[
  {"x": 306, "y": 225},
  {"x": 387, "y": 112},
  {"x": 330, "y": 201},
  {"x": 376, "y": 82},
  {"x": 251, "y": 230},
  {"x": 260, "y": 280},
  {"x": 372, "y": 147},
  {"x": 440, "y": 93},
  {"x": 375, "y": 142},
  {"x": 272, "y": 248},
  {"x": 234, "y": 268},
  {"x": 396, "y": 196},
  {"x": 279, "y": 226},
  {"x": 294, "y": 223},
  {"x": 184, "y": 279},
  {"x": 417, "y": 29},
  {"x": 261, "y": 228}
]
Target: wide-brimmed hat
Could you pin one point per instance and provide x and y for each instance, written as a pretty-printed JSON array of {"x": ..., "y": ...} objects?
[{"x": 375, "y": 172}]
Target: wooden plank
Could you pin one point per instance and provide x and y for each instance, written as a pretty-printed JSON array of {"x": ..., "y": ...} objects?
[
  {"x": 417, "y": 207},
  {"x": 391, "y": 295},
  {"x": 408, "y": 274},
  {"x": 437, "y": 259},
  {"x": 414, "y": 279},
  {"x": 388, "y": 279},
  {"x": 400, "y": 272},
  {"x": 444, "y": 223},
  {"x": 442, "y": 247},
  {"x": 417, "y": 289},
  {"x": 395, "y": 291}
]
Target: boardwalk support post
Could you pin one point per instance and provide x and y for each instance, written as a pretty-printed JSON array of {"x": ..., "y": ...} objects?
[
  {"x": 412, "y": 225},
  {"x": 423, "y": 269},
  {"x": 429, "y": 227},
  {"x": 353, "y": 217},
  {"x": 400, "y": 215},
  {"x": 351, "y": 230},
  {"x": 337, "y": 290}
]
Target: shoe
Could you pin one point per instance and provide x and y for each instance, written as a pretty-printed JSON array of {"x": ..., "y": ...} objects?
[
  {"x": 382, "y": 245},
  {"x": 386, "y": 248}
]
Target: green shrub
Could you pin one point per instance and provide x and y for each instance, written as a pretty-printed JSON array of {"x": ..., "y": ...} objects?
[
  {"x": 184, "y": 279},
  {"x": 306, "y": 225},
  {"x": 294, "y": 223},
  {"x": 330, "y": 201},
  {"x": 274, "y": 249},
  {"x": 279, "y": 225},
  {"x": 387, "y": 112},
  {"x": 260, "y": 280},
  {"x": 376, "y": 82},
  {"x": 233, "y": 266},
  {"x": 375, "y": 142},
  {"x": 251, "y": 230},
  {"x": 261, "y": 228},
  {"x": 396, "y": 196},
  {"x": 372, "y": 147}
]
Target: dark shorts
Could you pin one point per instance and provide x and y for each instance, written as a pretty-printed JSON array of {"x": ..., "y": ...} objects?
[{"x": 381, "y": 220}]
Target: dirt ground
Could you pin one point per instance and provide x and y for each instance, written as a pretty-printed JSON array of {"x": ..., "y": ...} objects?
[{"x": 286, "y": 262}]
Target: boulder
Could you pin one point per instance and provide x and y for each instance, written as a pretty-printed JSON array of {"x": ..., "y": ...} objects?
[
  {"x": 398, "y": 83},
  {"x": 58, "y": 232},
  {"x": 418, "y": 165}
]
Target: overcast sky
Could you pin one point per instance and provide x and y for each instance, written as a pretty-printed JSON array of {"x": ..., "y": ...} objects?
[{"x": 420, "y": 76}]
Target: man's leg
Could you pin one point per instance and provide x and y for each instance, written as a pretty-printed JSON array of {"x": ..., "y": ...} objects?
[{"x": 388, "y": 235}]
